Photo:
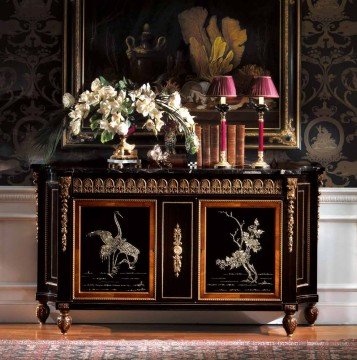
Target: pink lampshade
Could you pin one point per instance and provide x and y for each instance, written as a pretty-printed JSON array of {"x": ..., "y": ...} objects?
[
  {"x": 222, "y": 86},
  {"x": 263, "y": 86}
]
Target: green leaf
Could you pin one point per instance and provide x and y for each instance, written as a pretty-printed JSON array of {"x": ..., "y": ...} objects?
[
  {"x": 122, "y": 85},
  {"x": 103, "y": 81},
  {"x": 106, "y": 136},
  {"x": 94, "y": 124}
]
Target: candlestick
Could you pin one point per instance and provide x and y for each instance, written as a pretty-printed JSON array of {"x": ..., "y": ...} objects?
[
  {"x": 222, "y": 87},
  {"x": 261, "y": 131},
  {"x": 223, "y": 139},
  {"x": 262, "y": 87}
]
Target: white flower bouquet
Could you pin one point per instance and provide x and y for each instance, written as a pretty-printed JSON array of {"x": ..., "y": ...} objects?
[{"x": 113, "y": 109}]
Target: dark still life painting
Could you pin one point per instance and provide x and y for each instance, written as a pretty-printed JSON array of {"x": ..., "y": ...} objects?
[
  {"x": 182, "y": 44},
  {"x": 114, "y": 253},
  {"x": 241, "y": 243}
]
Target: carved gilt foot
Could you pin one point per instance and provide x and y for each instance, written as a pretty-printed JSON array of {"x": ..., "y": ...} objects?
[
  {"x": 311, "y": 313},
  {"x": 42, "y": 312},
  {"x": 289, "y": 322},
  {"x": 64, "y": 321}
]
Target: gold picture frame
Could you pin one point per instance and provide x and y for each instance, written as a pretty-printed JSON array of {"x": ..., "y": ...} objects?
[{"x": 282, "y": 132}]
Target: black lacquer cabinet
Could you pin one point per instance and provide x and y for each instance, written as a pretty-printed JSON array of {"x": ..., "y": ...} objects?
[{"x": 177, "y": 239}]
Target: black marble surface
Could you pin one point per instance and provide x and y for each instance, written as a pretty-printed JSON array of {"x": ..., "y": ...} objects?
[{"x": 78, "y": 170}]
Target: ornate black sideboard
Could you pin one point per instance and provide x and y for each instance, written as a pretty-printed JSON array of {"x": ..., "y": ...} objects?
[{"x": 177, "y": 239}]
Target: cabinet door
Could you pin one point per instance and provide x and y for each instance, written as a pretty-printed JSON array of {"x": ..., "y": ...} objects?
[
  {"x": 240, "y": 250},
  {"x": 177, "y": 250},
  {"x": 114, "y": 249}
]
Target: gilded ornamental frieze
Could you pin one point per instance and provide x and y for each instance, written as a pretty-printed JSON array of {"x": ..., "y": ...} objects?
[{"x": 176, "y": 186}]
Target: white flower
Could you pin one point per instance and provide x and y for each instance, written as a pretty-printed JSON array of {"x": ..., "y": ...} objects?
[
  {"x": 121, "y": 96},
  {"x": 75, "y": 126},
  {"x": 134, "y": 94},
  {"x": 159, "y": 124},
  {"x": 96, "y": 85},
  {"x": 104, "y": 125},
  {"x": 146, "y": 92},
  {"x": 184, "y": 113},
  {"x": 195, "y": 141},
  {"x": 122, "y": 128},
  {"x": 83, "y": 109},
  {"x": 117, "y": 103},
  {"x": 174, "y": 100},
  {"x": 117, "y": 118},
  {"x": 145, "y": 105},
  {"x": 104, "y": 109},
  {"x": 155, "y": 114},
  {"x": 74, "y": 114},
  {"x": 93, "y": 99},
  {"x": 80, "y": 111},
  {"x": 149, "y": 125},
  {"x": 68, "y": 100},
  {"x": 107, "y": 92},
  {"x": 83, "y": 98},
  {"x": 119, "y": 125}
]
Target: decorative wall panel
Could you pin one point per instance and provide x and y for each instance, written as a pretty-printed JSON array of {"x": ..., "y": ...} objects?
[{"x": 30, "y": 86}]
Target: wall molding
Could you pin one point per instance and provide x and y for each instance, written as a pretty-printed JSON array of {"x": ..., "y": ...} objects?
[
  {"x": 328, "y": 195},
  {"x": 338, "y": 218},
  {"x": 17, "y": 285},
  {"x": 338, "y": 195},
  {"x": 337, "y": 287},
  {"x": 16, "y": 194},
  {"x": 16, "y": 216}
]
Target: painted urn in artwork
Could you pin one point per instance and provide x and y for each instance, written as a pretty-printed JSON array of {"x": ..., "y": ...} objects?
[{"x": 146, "y": 59}]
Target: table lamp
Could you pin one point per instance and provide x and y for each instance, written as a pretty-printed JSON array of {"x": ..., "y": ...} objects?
[
  {"x": 222, "y": 87},
  {"x": 262, "y": 87}
]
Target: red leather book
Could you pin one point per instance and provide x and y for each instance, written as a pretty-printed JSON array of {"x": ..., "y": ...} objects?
[
  {"x": 214, "y": 145},
  {"x": 231, "y": 144},
  {"x": 240, "y": 145},
  {"x": 206, "y": 145}
]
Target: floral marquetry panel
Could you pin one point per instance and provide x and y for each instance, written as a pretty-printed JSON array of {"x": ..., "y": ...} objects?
[
  {"x": 241, "y": 244},
  {"x": 114, "y": 258}
]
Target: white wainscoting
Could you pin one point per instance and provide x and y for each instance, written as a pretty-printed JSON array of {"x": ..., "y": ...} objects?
[{"x": 337, "y": 268}]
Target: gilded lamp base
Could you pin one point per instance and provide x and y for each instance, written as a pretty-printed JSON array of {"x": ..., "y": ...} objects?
[
  {"x": 223, "y": 163},
  {"x": 260, "y": 163}
]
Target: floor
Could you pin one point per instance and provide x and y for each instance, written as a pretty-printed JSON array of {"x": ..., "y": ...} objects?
[{"x": 176, "y": 332}]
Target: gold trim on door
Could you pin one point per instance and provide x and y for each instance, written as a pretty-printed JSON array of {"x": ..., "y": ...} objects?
[
  {"x": 77, "y": 236},
  {"x": 203, "y": 294}
]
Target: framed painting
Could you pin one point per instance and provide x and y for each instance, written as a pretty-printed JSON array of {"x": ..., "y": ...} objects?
[
  {"x": 114, "y": 259},
  {"x": 181, "y": 45},
  {"x": 240, "y": 250}
]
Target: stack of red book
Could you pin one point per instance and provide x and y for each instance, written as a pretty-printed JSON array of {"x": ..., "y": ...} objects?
[{"x": 208, "y": 155}]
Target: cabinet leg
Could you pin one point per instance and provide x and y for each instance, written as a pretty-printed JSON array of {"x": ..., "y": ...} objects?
[
  {"x": 289, "y": 322},
  {"x": 64, "y": 321},
  {"x": 42, "y": 312},
  {"x": 311, "y": 313}
]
